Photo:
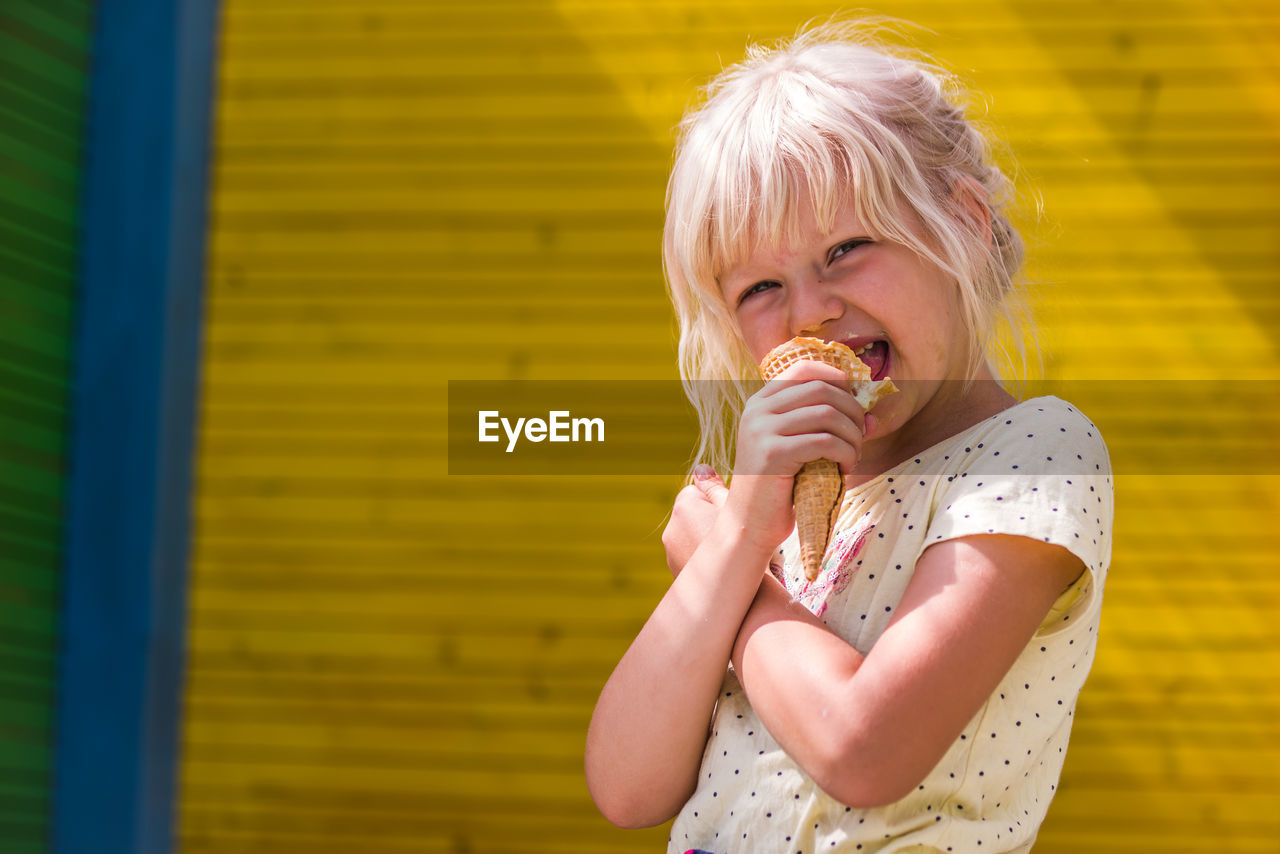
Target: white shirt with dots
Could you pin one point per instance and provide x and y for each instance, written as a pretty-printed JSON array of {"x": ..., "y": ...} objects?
[{"x": 1039, "y": 469}]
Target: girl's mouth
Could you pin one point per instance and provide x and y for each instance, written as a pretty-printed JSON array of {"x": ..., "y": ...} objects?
[{"x": 876, "y": 357}]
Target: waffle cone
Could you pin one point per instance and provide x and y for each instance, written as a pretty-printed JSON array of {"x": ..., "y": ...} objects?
[{"x": 819, "y": 486}]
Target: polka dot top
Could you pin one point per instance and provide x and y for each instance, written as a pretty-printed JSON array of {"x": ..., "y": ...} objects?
[{"x": 1039, "y": 469}]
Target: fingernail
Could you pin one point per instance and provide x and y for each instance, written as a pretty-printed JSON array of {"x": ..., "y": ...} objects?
[
  {"x": 868, "y": 424},
  {"x": 702, "y": 471}
]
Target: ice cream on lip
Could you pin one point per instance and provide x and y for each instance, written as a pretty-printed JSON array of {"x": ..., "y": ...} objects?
[{"x": 871, "y": 350}]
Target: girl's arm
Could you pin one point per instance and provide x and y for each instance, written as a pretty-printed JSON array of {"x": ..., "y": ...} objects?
[
  {"x": 869, "y": 729},
  {"x": 649, "y": 728},
  {"x": 645, "y": 742}
]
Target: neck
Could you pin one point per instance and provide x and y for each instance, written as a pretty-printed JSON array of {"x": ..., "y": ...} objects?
[{"x": 955, "y": 407}]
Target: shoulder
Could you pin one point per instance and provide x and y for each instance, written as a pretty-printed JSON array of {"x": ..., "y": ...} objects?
[
  {"x": 1043, "y": 435},
  {"x": 1039, "y": 470}
]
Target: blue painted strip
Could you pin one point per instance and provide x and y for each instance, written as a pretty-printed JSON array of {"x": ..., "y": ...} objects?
[{"x": 134, "y": 401}]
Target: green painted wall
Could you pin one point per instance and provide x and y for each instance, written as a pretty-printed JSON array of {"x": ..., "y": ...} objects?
[{"x": 44, "y": 59}]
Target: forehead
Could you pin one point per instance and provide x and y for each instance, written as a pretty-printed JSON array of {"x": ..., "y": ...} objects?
[{"x": 804, "y": 226}]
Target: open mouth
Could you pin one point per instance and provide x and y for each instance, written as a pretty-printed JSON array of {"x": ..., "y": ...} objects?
[{"x": 875, "y": 356}]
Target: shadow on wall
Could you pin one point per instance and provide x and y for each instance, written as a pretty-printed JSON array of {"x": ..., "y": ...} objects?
[
  {"x": 1180, "y": 704},
  {"x": 381, "y": 654},
  {"x": 1186, "y": 99}
]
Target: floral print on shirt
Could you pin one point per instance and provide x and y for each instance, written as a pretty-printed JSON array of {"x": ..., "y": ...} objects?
[{"x": 838, "y": 568}]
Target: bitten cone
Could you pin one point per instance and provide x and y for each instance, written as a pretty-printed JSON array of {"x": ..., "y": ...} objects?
[{"x": 819, "y": 486}]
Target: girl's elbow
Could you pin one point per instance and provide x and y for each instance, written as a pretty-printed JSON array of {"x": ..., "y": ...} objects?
[
  {"x": 866, "y": 791},
  {"x": 615, "y": 811},
  {"x": 627, "y": 806},
  {"x": 859, "y": 779},
  {"x": 629, "y": 812}
]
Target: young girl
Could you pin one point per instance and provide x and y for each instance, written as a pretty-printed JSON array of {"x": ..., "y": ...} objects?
[{"x": 917, "y": 696}]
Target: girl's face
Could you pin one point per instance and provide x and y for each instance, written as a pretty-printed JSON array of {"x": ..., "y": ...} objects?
[{"x": 845, "y": 285}]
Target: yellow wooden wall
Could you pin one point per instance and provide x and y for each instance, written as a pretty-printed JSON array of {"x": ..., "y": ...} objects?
[{"x": 384, "y": 658}]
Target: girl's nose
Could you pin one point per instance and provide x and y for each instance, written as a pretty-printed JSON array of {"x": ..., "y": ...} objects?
[{"x": 814, "y": 304}]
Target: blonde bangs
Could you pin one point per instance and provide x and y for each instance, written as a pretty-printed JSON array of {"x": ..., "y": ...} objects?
[{"x": 766, "y": 159}]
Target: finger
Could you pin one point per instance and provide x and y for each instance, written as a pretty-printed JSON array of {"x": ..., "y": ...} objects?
[
  {"x": 821, "y": 446},
  {"x": 819, "y": 418},
  {"x": 777, "y": 566},
  {"x": 825, "y": 447},
  {"x": 785, "y": 455},
  {"x": 710, "y": 484},
  {"x": 807, "y": 370},
  {"x": 814, "y": 394}
]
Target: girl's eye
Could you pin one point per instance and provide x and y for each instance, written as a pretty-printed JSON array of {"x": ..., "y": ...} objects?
[
  {"x": 758, "y": 287},
  {"x": 847, "y": 247}
]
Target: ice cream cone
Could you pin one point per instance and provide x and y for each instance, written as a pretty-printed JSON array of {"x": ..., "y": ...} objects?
[{"x": 819, "y": 486}]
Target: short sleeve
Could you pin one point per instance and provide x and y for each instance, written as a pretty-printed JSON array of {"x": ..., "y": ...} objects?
[{"x": 1042, "y": 472}]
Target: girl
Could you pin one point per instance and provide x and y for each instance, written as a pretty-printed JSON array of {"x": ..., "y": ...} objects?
[{"x": 917, "y": 696}]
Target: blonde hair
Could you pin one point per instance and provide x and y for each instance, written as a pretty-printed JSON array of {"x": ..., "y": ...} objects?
[{"x": 849, "y": 120}]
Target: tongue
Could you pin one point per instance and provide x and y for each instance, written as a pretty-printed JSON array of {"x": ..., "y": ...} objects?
[{"x": 875, "y": 357}]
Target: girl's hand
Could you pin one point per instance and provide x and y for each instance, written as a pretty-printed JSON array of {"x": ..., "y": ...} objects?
[
  {"x": 694, "y": 513},
  {"x": 807, "y": 413},
  {"x": 693, "y": 517}
]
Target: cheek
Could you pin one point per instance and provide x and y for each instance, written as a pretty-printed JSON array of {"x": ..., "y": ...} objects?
[
  {"x": 760, "y": 333},
  {"x": 934, "y": 327},
  {"x": 946, "y": 324}
]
